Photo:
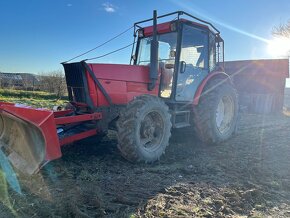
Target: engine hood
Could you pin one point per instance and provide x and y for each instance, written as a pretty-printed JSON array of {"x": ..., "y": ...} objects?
[{"x": 121, "y": 72}]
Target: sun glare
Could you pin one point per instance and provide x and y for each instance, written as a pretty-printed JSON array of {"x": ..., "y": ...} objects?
[{"x": 279, "y": 47}]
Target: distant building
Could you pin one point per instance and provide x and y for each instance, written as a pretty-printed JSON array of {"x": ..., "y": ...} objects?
[
  {"x": 10, "y": 79},
  {"x": 260, "y": 83},
  {"x": 19, "y": 80}
]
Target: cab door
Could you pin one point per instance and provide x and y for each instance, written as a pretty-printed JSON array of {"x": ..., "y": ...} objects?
[{"x": 193, "y": 61}]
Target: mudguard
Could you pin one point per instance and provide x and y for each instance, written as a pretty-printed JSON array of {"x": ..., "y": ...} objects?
[{"x": 200, "y": 88}]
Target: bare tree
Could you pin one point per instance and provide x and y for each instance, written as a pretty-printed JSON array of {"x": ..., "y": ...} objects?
[
  {"x": 53, "y": 82},
  {"x": 282, "y": 30},
  {"x": 27, "y": 82},
  {"x": 1, "y": 83}
]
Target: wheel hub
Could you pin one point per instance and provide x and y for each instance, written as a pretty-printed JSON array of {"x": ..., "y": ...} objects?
[
  {"x": 224, "y": 114},
  {"x": 151, "y": 131}
]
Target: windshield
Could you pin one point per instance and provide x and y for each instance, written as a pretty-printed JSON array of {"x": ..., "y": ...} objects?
[{"x": 167, "y": 43}]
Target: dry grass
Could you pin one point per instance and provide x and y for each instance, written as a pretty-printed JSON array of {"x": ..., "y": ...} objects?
[{"x": 37, "y": 99}]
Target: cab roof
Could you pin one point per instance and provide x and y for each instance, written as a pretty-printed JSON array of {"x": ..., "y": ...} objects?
[{"x": 166, "y": 26}]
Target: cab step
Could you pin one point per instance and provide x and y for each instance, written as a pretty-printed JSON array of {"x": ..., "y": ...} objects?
[{"x": 180, "y": 119}]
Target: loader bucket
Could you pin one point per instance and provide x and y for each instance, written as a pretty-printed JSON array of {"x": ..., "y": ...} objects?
[{"x": 28, "y": 137}]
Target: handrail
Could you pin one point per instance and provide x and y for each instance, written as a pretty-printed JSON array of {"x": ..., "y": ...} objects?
[{"x": 180, "y": 13}]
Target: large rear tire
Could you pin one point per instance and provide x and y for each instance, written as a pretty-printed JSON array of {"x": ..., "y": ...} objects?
[
  {"x": 144, "y": 129},
  {"x": 215, "y": 117}
]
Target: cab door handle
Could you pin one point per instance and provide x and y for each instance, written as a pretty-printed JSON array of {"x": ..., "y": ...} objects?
[{"x": 182, "y": 66}]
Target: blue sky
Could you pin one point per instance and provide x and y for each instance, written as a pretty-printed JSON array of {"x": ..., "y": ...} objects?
[{"x": 36, "y": 35}]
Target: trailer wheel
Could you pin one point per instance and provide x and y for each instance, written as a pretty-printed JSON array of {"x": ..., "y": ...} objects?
[
  {"x": 215, "y": 117},
  {"x": 144, "y": 129}
]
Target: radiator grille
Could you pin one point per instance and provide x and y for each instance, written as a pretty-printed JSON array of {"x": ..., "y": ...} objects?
[{"x": 76, "y": 82}]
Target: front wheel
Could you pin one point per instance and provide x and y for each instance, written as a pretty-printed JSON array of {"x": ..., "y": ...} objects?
[
  {"x": 144, "y": 129},
  {"x": 215, "y": 117}
]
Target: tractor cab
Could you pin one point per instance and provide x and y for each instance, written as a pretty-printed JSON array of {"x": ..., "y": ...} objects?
[{"x": 187, "y": 53}]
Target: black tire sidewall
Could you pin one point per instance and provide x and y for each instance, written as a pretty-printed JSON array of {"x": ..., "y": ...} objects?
[
  {"x": 129, "y": 125},
  {"x": 149, "y": 154}
]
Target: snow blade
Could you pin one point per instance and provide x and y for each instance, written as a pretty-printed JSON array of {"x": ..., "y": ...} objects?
[{"x": 28, "y": 137}]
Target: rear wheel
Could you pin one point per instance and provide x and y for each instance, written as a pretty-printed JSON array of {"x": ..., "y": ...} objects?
[
  {"x": 215, "y": 117},
  {"x": 144, "y": 129}
]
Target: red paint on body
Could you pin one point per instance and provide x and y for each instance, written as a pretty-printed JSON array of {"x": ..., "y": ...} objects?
[
  {"x": 121, "y": 82},
  {"x": 42, "y": 119},
  {"x": 161, "y": 28},
  {"x": 79, "y": 136},
  {"x": 78, "y": 118},
  {"x": 166, "y": 27}
]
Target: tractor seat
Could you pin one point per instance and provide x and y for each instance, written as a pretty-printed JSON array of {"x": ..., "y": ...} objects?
[{"x": 166, "y": 79}]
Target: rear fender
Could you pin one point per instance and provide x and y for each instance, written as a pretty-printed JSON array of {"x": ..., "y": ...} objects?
[{"x": 213, "y": 75}]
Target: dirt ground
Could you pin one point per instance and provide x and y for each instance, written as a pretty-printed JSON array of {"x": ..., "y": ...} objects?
[{"x": 248, "y": 176}]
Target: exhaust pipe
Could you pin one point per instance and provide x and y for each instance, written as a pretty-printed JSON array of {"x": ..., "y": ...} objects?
[{"x": 153, "y": 74}]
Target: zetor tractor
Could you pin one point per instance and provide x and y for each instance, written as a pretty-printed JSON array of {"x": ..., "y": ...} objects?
[{"x": 176, "y": 80}]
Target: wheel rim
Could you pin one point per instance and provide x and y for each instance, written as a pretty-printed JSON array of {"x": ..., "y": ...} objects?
[
  {"x": 225, "y": 114},
  {"x": 151, "y": 130}
]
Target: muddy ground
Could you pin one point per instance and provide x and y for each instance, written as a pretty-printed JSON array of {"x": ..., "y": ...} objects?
[{"x": 248, "y": 176}]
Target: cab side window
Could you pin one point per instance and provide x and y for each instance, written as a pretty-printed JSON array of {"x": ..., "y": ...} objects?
[{"x": 212, "y": 52}]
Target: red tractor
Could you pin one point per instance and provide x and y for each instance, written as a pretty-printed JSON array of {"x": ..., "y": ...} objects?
[{"x": 176, "y": 80}]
